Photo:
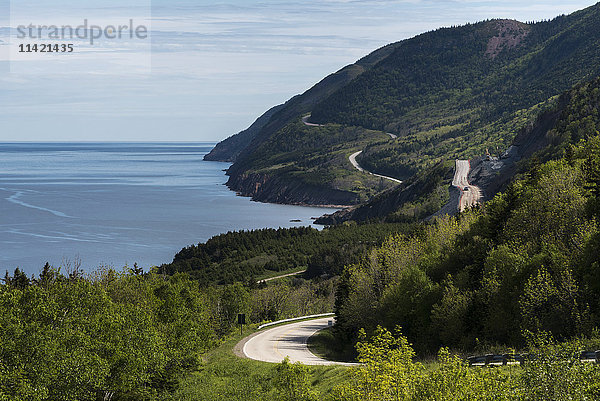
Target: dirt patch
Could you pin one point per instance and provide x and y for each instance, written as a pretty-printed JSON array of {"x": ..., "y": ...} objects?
[{"x": 510, "y": 35}]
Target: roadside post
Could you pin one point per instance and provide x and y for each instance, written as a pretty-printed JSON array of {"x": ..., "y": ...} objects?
[{"x": 241, "y": 321}]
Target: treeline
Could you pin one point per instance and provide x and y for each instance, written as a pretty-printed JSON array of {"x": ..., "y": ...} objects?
[
  {"x": 243, "y": 256},
  {"x": 126, "y": 336},
  {"x": 527, "y": 261}
]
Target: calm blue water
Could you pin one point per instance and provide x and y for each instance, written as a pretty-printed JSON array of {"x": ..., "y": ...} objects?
[{"x": 119, "y": 203}]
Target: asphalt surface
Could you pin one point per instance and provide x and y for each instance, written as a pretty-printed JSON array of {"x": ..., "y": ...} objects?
[
  {"x": 305, "y": 121},
  {"x": 352, "y": 159},
  {"x": 354, "y": 155},
  {"x": 470, "y": 195},
  {"x": 273, "y": 345},
  {"x": 282, "y": 276}
]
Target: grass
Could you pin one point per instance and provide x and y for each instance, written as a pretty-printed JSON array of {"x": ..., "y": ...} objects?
[
  {"x": 325, "y": 345},
  {"x": 224, "y": 376}
]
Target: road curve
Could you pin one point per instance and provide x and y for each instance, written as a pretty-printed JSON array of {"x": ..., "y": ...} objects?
[
  {"x": 470, "y": 195},
  {"x": 353, "y": 156},
  {"x": 305, "y": 121},
  {"x": 357, "y": 166},
  {"x": 273, "y": 345}
]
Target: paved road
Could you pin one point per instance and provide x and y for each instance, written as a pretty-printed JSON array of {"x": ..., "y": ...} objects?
[
  {"x": 273, "y": 345},
  {"x": 282, "y": 276},
  {"x": 470, "y": 195},
  {"x": 305, "y": 121},
  {"x": 353, "y": 156},
  {"x": 352, "y": 159}
]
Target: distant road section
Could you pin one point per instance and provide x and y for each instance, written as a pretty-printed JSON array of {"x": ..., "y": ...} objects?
[
  {"x": 305, "y": 121},
  {"x": 273, "y": 345},
  {"x": 352, "y": 159},
  {"x": 282, "y": 276},
  {"x": 470, "y": 195},
  {"x": 354, "y": 155}
]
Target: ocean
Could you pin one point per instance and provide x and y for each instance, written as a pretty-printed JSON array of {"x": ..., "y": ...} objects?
[{"x": 116, "y": 204}]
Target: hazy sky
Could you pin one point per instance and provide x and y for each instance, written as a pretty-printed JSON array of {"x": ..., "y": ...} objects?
[{"x": 210, "y": 68}]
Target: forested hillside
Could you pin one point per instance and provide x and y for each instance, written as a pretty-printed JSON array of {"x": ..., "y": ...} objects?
[
  {"x": 451, "y": 93},
  {"x": 527, "y": 261},
  {"x": 244, "y": 256}
]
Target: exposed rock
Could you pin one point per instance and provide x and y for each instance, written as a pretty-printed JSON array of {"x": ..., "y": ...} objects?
[
  {"x": 265, "y": 188},
  {"x": 510, "y": 35}
]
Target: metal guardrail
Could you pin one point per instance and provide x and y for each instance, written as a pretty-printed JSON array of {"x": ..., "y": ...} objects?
[
  {"x": 262, "y": 326},
  {"x": 511, "y": 359}
]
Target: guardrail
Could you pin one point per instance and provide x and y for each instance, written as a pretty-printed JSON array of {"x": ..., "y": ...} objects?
[
  {"x": 262, "y": 326},
  {"x": 511, "y": 359}
]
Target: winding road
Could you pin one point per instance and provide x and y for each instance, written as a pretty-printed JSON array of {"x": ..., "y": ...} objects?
[
  {"x": 305, "y": 121},
  {"x": 357, "y": 166},
  {"x": 470, "y": 195},
  {"x": 273, "y": 345},
  {"x": 353, "y": 156}
]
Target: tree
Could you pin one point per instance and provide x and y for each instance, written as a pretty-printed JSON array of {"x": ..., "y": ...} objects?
[
  {"x": 292, "y": 382},
  {"x": 20, "y": 279}
]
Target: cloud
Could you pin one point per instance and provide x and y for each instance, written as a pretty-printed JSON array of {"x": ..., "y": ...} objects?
[{"x": 215, "y": 66}]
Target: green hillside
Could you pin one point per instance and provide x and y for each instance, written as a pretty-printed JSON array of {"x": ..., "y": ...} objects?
[
  {"x": 453, "y": 92},
  {"x": 527, "y": 261}
]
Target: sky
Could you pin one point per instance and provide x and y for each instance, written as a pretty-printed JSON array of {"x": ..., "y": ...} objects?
[{"x": 206, "y": 70}]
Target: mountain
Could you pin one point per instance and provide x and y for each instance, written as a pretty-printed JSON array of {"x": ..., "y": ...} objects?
[
  {"x": 571, "y": 118},
  {"x": 446, "y": 94},
  {"x": 229, "y": 149}
]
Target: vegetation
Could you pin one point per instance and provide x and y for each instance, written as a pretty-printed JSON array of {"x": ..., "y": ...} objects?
[
  {"x": 450, "y": 93},
  {"x": 108, "y": 336},
  {"x": 326, "y": 345},
  {"x": 389, "y": 372},
  {"x": 244, "y": 256},
  {"x": 224, "y": 376},
  {"x": 126, "y": 336},
  {"x": 527, "y": 261}
]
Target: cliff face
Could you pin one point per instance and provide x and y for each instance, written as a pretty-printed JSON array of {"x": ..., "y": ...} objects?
[{"x": 265, "y": 188}]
